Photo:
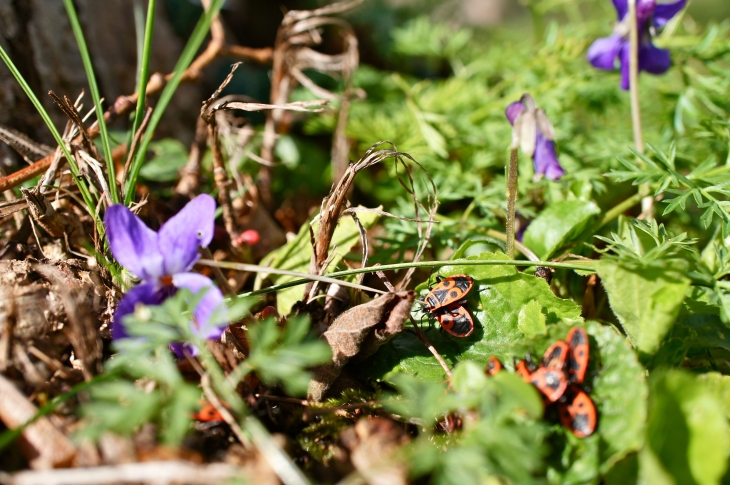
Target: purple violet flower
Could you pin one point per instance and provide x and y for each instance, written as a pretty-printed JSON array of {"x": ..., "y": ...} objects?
[
  {"x": 650, "y": 16},
  {"x": 162, "y": 260},
  {"x": 533, "y": 123}
]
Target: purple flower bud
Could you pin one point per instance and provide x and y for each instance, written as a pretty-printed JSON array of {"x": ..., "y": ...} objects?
[{"x": 520, "y": 114}]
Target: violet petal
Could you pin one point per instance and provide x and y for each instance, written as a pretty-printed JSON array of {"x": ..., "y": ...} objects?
[
  {"x": 624, "y": 54},
  {"x": 184, "y": 349},
  {"x": 182, "y": 234},
  {"x": 513, "y": 111},
  {"x": 665, "y": 11},
  {"x": 644, "y": 11},
  {"x": 146, "y": 294},
  {"x": 210, "y": 315},
  {"x": 653, "y": 59},
  {"x": 603, "y": 52},
  {"x": 546, "y": 160},
  {"x": 133, "y": 244}
]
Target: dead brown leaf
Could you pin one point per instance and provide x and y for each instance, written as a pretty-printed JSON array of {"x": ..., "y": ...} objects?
[
  {"x": 372, "y": 443},
  {"x": 358, "y": 333}
]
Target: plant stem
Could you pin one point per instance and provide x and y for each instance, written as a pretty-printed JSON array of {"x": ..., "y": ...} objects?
[
  {"x": 634, "y": 77},
  {"x": 511, "y": 202},
  {"x": 647, "y": 202},
  {"x": 306, "y": 278},
  {"x": 617, "y": 210}
]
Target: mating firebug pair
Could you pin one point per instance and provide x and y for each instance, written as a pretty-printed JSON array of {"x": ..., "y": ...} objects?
[
  {"x": 445, "y": 303},
  {"x": 562, "y": 369}
]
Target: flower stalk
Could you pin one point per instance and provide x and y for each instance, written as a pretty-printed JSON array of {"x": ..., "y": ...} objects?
[{"x": 511, "y": 201}]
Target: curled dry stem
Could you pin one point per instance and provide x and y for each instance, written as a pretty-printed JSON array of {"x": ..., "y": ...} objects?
[
  {"x": 293, "y": 54},
  {"x": 335, "y": 205}
]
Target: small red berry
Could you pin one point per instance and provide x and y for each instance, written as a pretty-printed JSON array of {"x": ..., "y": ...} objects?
[{"x": 248, "y": 237}]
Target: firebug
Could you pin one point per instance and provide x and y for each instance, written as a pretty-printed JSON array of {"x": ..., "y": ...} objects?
[
  {"x": 578, "y": 413},
  {"x": 494, "y": 366},
  {"x": 578, "y": 356},
  {"x": 456, "y": 320},
  {"x": 448, "y": 291},
  {"x": 550, "y": 382},
  {"x": 556, "y": 356}
]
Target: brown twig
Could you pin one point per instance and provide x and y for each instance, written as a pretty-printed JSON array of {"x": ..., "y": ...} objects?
[
  {"x": 190, "y": 179},
  {"x": 220, "y": 175},
  {"x": 219, "y": 276},
  {"x": 146, "y": 472}
]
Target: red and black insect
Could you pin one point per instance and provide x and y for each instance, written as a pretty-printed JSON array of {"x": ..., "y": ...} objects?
[
  {"x": 522, "y": 370},
  {"x": 448, "y": 291},
  {"x": 557, "y": 378},
  {"x": 578, "y": 413},
  {"x": 444, "y": 302},
  {"x": 494, "y": 366},
  {"x": 556, "y": 356},
  {"x": 207, "y": 414},
  {"x": 552, "y": 383},
  {"x": 578, "y": 357},
  {"x": 456, "y": 320}
]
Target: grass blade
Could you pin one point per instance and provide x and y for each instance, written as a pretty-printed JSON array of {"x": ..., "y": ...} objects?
[
  {"x": 94, "y": 88},
  {"x": 143, "y": 74},
  {"x": 56, "y": 135},
  {"x": 187, "y": 56}
]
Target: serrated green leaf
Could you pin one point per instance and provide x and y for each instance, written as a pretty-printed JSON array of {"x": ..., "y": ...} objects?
[
  {"x": 646, "y": 300},
  {"x": 557, "y": 225},
  {"x": 687, "y": 435}
]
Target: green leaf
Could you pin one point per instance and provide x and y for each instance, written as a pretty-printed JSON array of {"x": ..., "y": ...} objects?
[
  {"x": 530, "y": 320},
  {"x": 687, "y": 432},
  {"x": 646, "y": 299},
  {"x": 499, "y": 295},
  {"x": 280, "y": 356},
  {"x": 170, "y": 156},
  {"x": 719, "y": 386},
  {"x": 698, "y": 329},
  {"x": 296, "y": 254},
  {"x": 557, "y": 225},
  {"x": 184, "y": 401}
]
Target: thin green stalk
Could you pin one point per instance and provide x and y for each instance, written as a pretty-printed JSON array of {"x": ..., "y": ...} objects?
[
  {"x": 305, "y": 278},
  {"x": 511, "y": 202},
  {"x": 617, "y": 210},
  {"x": 88, "y": 200},
  {"x": 144, "y": 63},
  {"x": 94, "y": 89},
  {"x": 647, "y": 202},
  {"x": 634, "y": 77},
  {"x": 187, "y": 56}
]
